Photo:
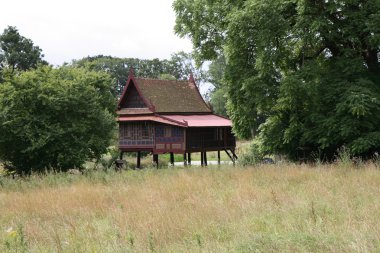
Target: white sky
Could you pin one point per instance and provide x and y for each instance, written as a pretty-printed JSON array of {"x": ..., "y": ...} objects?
[{"x": 73, "y": 29}]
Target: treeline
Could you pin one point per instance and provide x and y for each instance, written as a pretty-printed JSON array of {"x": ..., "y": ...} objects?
[
  {"x": 178, "y": 67},
  {"x": 301, "y": 77},
  {"x": 56, "y": 118}
]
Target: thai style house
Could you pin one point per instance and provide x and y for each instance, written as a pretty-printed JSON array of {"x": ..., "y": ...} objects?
[{"x": 167, "y": 116}]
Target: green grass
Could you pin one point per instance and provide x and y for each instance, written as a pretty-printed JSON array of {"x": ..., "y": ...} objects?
[{"x": 271, "y": 208}]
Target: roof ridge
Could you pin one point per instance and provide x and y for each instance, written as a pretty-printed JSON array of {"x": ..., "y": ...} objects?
[{"x": 153, "y": 79}]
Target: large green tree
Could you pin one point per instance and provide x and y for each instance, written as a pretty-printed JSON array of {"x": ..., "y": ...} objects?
[
  {"x": 18, "y": 52},
  {"x": 55, "y": 118},
  {"x": 308, "y": 69}
]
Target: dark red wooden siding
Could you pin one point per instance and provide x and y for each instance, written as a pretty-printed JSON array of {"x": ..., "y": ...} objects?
[
  {"x": 169, "y": 138},
  {"x": 136, "y": 134}
]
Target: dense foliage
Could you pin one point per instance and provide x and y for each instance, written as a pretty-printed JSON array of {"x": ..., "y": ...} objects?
[
  {"x": 18, "y": 52},
  {"x": 178, "y": 67},
  {"x": 55, "y": 118},
  {"x": 305, "y": 74},
  {"x": 218, "y": 95}
]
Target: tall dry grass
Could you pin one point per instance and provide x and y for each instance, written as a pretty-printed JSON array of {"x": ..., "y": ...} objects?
[{"x": 272, "y": 208}]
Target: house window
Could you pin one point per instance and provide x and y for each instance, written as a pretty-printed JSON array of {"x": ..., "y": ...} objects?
[
  {"x": 125, "y": 131},
  {"x": 121, "y": 131},
  {"x": 177, "y": 132},
  {"x": 167, "y": 131},
  {"x": 145, "y": 131},
  {"x": 159, "y": 131}
]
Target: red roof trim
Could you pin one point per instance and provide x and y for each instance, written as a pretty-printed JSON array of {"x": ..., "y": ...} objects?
[
  {"x": 210, "y": 120},
  {"x": 169, "y": 119},
  {"x": 155, "y": 118}
]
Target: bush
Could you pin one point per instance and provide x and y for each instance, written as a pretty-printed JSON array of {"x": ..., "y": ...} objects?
[
  {"x": 107, "y": 160},
  {"x": 55, "y": 118},
  {"x": 253, "y": 155},
  {"x": 376, "y": 159}
]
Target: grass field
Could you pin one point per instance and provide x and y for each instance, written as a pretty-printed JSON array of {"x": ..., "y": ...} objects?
[{"x": 271, "y": 208}]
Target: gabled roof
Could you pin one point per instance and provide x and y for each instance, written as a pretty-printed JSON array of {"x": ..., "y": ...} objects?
[{"x": 167, "y": 96}]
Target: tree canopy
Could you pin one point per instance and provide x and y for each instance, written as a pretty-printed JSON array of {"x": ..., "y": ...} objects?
[
  {"x": 18, "y": 52},
  {"x": 179, "y": 67},
  {"x": 55, "y": 118},
  {"x": 218, "y": 95},
  {"x": 304, "y": 74}
]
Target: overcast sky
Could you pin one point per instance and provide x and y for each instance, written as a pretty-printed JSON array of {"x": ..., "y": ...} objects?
[{"x": 72, "y": 29}]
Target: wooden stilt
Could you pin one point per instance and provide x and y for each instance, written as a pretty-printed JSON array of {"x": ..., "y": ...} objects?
[
  {"x": 184, "y": 160},
  {"x": 231, "y": 157},
  {"x": 202, "y": 161},
  {"x": 138, "y": 163},
  {"x": 171, "y": 159},
  {"x": 205, "y": 159},
  {"x": 233, "y": 154},
  {"x": 189, "y": 158},
  {"x": 155, "y": 160},
  {"x": 120, "y": 163},
  {"x": 218, "y": 157}
]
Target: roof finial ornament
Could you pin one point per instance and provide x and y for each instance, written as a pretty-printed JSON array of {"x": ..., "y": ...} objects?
[
  {"x": 191, "y": 78},
  {"x": 131, "y": 72}
]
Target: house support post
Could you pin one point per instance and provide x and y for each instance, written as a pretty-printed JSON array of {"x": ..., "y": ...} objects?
[
  {"x": 231, "y": 157},
  {"x": 218, "y": 157},
  {"x": 155, "y": 160},
  {"x": 202, "y": 161},
  {"x": 171, "y": 159},
  {"x": 233, "y": 154},
  {"x": 205, "y": 158},
  {"x": 138, "y": 163},
  {"x": 119, "y": 163},
  {"x": 189, "y": 158}
]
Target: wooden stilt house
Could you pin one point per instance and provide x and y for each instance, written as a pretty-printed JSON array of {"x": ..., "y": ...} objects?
[{"x": 166, "y": 116}]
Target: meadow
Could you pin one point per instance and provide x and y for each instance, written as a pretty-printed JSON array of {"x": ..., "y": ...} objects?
[{"x": 268, "y": 208}]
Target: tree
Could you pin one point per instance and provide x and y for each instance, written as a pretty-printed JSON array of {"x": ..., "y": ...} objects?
[
  {"x": 179, "y": 66},
  {"x": 309, "y": 70},
  {"x": 167, "y": 77},
  {"x": 218, "y": 99},
  {"x": 55, "y": 118},
  {"x": 216, "y": 71},
  {"x": 218, "y": 95},
  {"x": 18, "y": 52},
  {"x": 182, "y": 64}
]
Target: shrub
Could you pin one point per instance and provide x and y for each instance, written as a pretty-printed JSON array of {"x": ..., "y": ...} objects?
[
  {"x": 55, "y": 118},
  {"x": 253, "y": 155},
  {"x": 376, "y": 159},
  {"x": 343, "y": 157}
]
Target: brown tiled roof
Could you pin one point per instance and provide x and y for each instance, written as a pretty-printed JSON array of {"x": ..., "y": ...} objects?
[{"x": 169, "y": 96}]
